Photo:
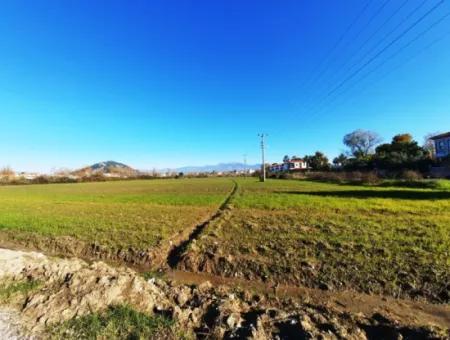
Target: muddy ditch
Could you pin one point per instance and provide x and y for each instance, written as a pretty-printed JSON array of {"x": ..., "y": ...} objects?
[{"x": 434, "y": 289}]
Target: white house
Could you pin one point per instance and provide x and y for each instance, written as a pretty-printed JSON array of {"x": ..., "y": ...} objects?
[
  {"x": 442, "y": 145},
  {"x": 294, "y": 164}
]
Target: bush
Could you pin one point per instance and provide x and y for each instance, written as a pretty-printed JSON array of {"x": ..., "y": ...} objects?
[
  {"x": 40, "y": 180},
  {"x": 350, "y": 177},
  {"x": 411, "y": 175},
  {"x": 370, "y": 178}
]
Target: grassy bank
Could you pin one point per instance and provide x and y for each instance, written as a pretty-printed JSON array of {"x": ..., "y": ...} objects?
[{"x": 117, "y": 322}]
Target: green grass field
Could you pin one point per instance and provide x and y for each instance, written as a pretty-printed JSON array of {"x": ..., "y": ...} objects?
[
  {"x": 374, "y": 239},
  {"x": 137, "y": 214},
  {"x": 382, "y": 239}
]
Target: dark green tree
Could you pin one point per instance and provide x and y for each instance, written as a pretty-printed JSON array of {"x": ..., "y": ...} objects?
[
  {"x": 318, "y": 161},
  {"x": 401, "y": 154},
  {"x": 340, "y": 160}
]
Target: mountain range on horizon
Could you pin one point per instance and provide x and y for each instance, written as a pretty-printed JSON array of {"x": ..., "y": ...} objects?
[
  {"x": 220, "y": 167},
  {"x": 113, "y": 167}
]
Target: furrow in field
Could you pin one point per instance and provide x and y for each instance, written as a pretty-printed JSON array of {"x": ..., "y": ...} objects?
[{"x": 176, "y": 253}]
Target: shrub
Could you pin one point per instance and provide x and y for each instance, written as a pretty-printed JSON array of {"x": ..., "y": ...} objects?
[
  {"x": 40, "y": 180},
  {"x": 351, "y": 177},
  {"x": 370, "y": 178},
  {"x": 354, "y": 176},
  {"x": 411, "y": 175}
]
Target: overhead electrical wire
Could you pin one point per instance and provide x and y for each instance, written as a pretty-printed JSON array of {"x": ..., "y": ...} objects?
[
  {"x": 367, "y": 24},
  {"x": 370, "y": 38},
  {"x": 404, "y": 62},
  {"x": 384, "y": 38},
  {"x": 383, "y": 50},
  {"x": 336, "y": 45},
  {"x": 398, "y": 51}
]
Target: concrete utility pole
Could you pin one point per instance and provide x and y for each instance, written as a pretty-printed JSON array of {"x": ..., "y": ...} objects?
[
  {"x": 245, "y": 164},
  {"x": 263, "y": 164}
]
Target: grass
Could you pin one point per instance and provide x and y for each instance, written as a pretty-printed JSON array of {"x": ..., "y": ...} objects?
[
  {"x": 117, "y": 322},
  {"x": 10, "y": 290},
  {"x": 137, "y": 214},
  {"x": 386, "y": 239},
  {"x": 391, "y": 240}
]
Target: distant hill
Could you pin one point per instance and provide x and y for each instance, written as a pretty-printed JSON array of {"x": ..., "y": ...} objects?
[
  {"x": 108, "y": 168},
  {"x": 221, "y": 167}
]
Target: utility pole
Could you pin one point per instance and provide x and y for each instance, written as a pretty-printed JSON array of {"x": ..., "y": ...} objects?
[
  {"x": 245, "y": 164},
  {"x": 263, "y": 164}
]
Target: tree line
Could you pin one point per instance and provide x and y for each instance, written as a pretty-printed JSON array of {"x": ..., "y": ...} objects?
[{"x": 366, "y": 152}]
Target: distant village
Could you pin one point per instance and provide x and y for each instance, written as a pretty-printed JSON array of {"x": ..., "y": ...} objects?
[{"x": 365, "y": 154}]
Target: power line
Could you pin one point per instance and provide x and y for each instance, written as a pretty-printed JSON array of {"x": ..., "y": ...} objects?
[
  {"x": 408, "y": 44},
  {"x": 337, "y": 43},
  {"x": 392, "y": 42},
  {"x": 367, "y": 24},
  {"x": 401, "y": 49},
  {"x": 386, "y": 36},
  {"x": 372, "y": 18},
  {"x": 405, "y": 19},
  {"x": 385, "y": 22}
]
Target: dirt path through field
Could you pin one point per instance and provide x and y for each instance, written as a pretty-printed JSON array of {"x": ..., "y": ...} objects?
[
  {"x": 414, "y": 313},
  {"x": 176, "y": 253}
]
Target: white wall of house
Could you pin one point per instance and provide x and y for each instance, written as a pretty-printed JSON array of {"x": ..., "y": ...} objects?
[{"x": 289, "y": 166}]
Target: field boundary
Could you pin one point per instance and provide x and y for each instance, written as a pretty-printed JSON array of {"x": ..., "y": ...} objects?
[{"x": 175, "y": 255}]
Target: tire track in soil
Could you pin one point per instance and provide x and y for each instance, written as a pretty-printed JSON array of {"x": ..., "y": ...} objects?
[{"x": 176, "y": 253}]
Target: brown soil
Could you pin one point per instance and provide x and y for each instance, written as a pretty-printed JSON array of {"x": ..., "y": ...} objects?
[
  {"x": 413, "y": 313},
  {"x": 251, "y": 267},
  {"x": 213, "y": 307}
]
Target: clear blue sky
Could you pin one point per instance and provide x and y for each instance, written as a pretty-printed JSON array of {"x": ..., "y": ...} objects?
[{"x": 172, "y": 83}]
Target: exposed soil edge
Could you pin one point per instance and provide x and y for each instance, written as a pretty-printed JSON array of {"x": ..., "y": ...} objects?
[
  {"x": 66, "y": 246},
  {"x": 208, "y": 310},
  {"x": 410, "y": 312},
  {"x": 243, "y": 268}
]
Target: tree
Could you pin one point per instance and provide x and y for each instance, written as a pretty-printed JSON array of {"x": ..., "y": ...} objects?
[
  {"x": 340, "y": 160},
  {"x": 402, "y": 153},
  {"x": 286, "y": 159},
  {"x": 7, "y": 172},
  {"x": 402, "y": 138},
  {"x": 361, "y": 142},
  {"x": 318, "y": 161}
]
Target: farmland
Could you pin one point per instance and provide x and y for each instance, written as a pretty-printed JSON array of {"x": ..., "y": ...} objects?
[
  {"x": 373, "y": 239},
  {"x": 386, "y": 240},
  {"x": 303, "y": 252},
  {"x": 114, "y": 215}
]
